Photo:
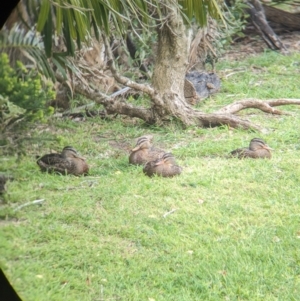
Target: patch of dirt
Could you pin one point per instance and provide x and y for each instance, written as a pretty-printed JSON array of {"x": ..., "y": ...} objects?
[
  {"x": 121, "y": 145},
  {"x": 253, "y": 45},
  {"x": 9, "y": 220}
]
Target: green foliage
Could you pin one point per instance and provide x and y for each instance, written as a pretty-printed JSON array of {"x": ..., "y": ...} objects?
[
  {"x": 25, "y": 88},
  {"x": 235, "y": 17},
  {"x": 20, "y": 43},
  {"x": 78, "y": 20}
]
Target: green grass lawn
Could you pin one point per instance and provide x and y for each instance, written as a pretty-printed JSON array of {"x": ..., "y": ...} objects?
[{"x": 233, "y": 228}]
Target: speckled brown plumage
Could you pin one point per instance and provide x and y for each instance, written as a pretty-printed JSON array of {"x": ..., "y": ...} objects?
[
  {"x": 144, "y": 152},
  {"x": 164, "y": 167},
  {"x": 257, "y": 149},
  {"x": 67, "y": 162}
]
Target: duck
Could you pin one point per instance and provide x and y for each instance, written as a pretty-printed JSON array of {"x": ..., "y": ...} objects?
[
  {"x": 257, "y": 149},
  {"x": 66, "y": 162},
  {"x": 144, "y": 152},
  {"x": 165, "y": 167}
]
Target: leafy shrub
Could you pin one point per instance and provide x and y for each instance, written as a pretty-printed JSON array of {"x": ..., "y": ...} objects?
[
  {"x": 235, "y": 16},
  {"x": 25, "y": 88}
]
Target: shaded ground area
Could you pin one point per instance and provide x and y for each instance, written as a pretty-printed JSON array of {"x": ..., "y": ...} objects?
[{"x": 254, "y": 44}]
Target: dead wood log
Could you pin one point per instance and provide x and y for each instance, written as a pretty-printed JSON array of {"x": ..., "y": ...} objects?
[
  {"x": 258, "y": 18},
  {"x": 287, "y": 20}
]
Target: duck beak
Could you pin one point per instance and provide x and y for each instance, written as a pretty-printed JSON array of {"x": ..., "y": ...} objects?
[
  {"x": 79, "y": 157},
  {"x": 135, "y": 148},
  {"x": 267, "y": 147},
  {"x": 160, "y": 162}
]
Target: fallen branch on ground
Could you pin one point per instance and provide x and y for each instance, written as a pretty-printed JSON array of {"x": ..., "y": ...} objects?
[
  {"x": 169, "y": 212},
  {"x": 36, "y": 202}
]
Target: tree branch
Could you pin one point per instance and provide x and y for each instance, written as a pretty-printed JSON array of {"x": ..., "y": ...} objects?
[
  {"x": 117, "y": 106},
  {"x": 124, "y": 80},
  {"x": 112, "y": 105},
  {"x": 283, "y": 101},
  {"x": 263, "y": 105},
  {"x": 148, "y": 114}
]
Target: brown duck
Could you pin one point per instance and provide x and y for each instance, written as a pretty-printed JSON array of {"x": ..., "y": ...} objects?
[
  {"x": 164, "y": 167},
  {"x": 67, "y": 162},
  {"x": 257, "y": 149},
  {"x": 144, "y": 152}
]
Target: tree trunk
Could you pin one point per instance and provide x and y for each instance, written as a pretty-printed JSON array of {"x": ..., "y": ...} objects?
[
  {"x": 7, "y": 10},
  {"x": 18, "y": 15},
  {"x": 170, "y": 68}
]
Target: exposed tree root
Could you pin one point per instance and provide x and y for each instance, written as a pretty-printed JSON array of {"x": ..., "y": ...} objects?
[
  {"x": 113, "y": 106},
  {"x": 283, "y": 101},
  {"x": 224, "y": 116},
  {"x": 218, "y": 119},
  {"x": 169, "y": 104},
  {"x": 263, "y": 105}
]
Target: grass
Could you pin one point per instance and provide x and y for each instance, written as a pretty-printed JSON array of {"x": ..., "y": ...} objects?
[{"x": 234, "y": 233}]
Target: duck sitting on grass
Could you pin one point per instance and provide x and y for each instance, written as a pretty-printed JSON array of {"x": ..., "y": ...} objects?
[
  {"x": 66, "y": 162},
  {"x": 144, "y": 152},
  {"x": 165, "y": 167},
  {"x": 257, "y": 149}
]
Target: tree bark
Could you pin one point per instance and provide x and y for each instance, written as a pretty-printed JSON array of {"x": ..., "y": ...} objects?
[
  {"x": 288, "y": 21},
  {"x": 265, "y": 106},
  {"x": 7, "y": 9},
  {"x": 19, "y": 15},
  {"x": 170, "y": 68}
]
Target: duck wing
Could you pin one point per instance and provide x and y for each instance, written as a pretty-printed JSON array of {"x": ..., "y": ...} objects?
[
  {"x": 168, "y": 171},
  {"x": 239, "y": 152},
  {"x": 150, "y": 168},
  {"x": 54, "y": 163},
  {"x": 155, "y": 153},
  {"x": 137, "y": 158},
  {"x": 78, "y": 166}
]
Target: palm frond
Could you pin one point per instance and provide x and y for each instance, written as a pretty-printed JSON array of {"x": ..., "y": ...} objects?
[
  {"x": 26, "y": 46},
  {"x": 200, "y": 9},
  {"x": 78, "y": 20}
]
